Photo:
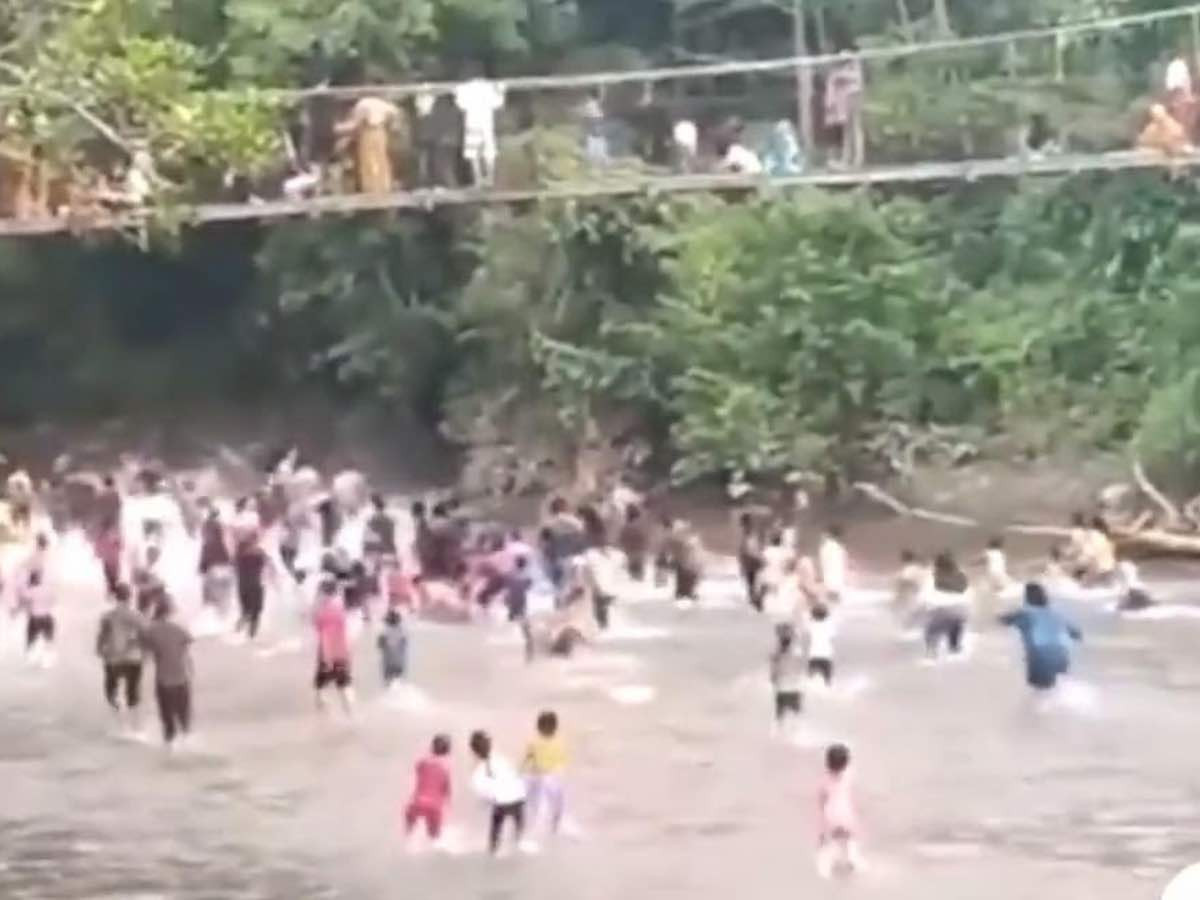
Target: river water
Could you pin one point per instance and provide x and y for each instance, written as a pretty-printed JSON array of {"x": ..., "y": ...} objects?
[{"x": 677, "y": 785}]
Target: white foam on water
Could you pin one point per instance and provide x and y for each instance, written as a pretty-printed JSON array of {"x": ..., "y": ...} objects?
[
  {"x": 755, "y": 683},
  {"x": 842, "y": 688},
  {"x": 625, "y": 630},
  {"x": 602, "y": 662},
  {"x": 632, "y": 694},
  {"x": 407, "y": 698},
  {"x": 1166, "y": 613},
  {"x": 141, "y": 738},
  {"x": 209, "y": 623},
  {"x": 582, "y": 682},
  {"x": 453, "y": 841},
  {"x": 284, "y": 647},
  {"x": 950, "y": 850},
  {"x": 802, "y": 733},
  {"x": 1076, "y": 697},
  {"x": 509, "y": 637},
  {"x": 571, "y": 829}
]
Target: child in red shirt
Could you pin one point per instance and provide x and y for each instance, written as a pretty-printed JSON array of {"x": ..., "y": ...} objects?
[{"x": 431, "y": 795}]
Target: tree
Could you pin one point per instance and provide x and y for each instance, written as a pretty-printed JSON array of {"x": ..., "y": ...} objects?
[{"x": 107, "y": 75}]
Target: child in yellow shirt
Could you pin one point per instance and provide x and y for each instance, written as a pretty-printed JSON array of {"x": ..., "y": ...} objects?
[{"x": 545, "y": 762}]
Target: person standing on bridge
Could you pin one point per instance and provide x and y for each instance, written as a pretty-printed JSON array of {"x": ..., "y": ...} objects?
[
  {"x": 479, "y": 99},
  {"x": 844, "y": 106},
  {"x": 369, "y": 125},
  {"x": 1181, "y": 100}
]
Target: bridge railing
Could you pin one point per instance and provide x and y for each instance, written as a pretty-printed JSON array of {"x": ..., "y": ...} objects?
[{"x": 1069, "y": 89}]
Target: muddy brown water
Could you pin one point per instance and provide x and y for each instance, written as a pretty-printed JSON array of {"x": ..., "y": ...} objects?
[{"x": 679, "y": 787}]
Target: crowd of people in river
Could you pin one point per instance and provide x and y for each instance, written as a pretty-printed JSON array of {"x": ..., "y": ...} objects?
[{"x": 341, "y": 558}]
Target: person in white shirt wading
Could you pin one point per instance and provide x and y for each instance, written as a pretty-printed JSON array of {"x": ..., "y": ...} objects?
[
  {"x": 832, "y": 559},
  {"x": 497, "y": 781}
]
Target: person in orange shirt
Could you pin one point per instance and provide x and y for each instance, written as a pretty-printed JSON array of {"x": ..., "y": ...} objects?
[{"x": 1163, "y": 134}]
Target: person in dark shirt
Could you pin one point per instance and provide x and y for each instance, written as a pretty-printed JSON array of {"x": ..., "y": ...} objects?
[
  {"x": 250, "y": 564},
  {"x": 634, "y": 542},
  {"x": 216, "y": 571},
  {"x": 423, "y": 543},
  {"x": 518, "y": 585},
  {"x": 750, "y": 557},
  {"x": 119, "y": 646},
  {"x": 108, "y": 505},
  {"x": 379, "y": 542},
  {"x": 168, "y": 644}
]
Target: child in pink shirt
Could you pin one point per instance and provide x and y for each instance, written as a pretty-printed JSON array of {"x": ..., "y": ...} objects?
[
  {"x": 838, "y": 829},
  {"x": 333, "y": 646},
  {"x": 398, "y": 586},
  {"x": 431, "y": 794}
]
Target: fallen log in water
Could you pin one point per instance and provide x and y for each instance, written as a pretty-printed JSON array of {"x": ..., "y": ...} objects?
[
  {"x": 1140, "y": 541},
  {"x": 1155, "y": 543}
]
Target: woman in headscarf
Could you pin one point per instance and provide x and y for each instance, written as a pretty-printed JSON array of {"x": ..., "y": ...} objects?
[{"x": 369, "y": 124}]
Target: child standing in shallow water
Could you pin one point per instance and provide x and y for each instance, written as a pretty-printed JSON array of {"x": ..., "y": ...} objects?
[
  {"x": 838, "y": 829},
  {"x": 496, "y": 781},
  {"x": 393, "y": 648},
  {"x": 787, "y": 666},
  {"x": 431, "y": 794},
  {"x": 545, "y": 762},
  {"x": 819, "y": 644}
]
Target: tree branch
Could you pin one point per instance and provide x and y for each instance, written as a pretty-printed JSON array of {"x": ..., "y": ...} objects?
[
  {"x": 1174, "y": 519},
  {"x": 876, "y": 493},
  {"x": 106, "y": 130},
  {"x": 880, "y": 496}
]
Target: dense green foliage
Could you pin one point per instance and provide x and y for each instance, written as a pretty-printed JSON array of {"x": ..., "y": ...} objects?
[{"x": 835, "y": 331}]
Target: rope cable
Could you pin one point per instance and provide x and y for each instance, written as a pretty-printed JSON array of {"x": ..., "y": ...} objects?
[{"x": 708, "y": 70}]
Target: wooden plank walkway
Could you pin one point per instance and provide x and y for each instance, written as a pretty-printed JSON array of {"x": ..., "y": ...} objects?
[{"x": 624, "y": 186}]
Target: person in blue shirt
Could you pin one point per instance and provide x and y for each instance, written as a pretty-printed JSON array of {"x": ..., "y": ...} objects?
[{"x": 1046, "y": 636}]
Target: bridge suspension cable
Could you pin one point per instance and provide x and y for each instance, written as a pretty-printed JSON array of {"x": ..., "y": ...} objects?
[{"x": 743, "y": 67}]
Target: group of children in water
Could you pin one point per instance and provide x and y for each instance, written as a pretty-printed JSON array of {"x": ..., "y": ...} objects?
[{"x": 516, "y": 797}]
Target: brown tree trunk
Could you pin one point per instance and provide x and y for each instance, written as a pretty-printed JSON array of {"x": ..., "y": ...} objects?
[{"x": 1157, "y": 544}]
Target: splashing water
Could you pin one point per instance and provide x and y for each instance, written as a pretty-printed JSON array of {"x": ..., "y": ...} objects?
[
  {"x": 1075, "y": 697},
  {"x": 406, "y": 697},
  {"x": 632, "y": 694}
]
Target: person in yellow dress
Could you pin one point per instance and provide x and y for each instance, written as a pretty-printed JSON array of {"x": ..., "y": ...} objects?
[
  {"x": 545, "y": 763},
  {"x": 370, "y": 125}
]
